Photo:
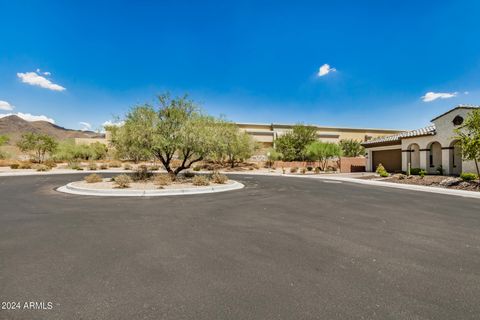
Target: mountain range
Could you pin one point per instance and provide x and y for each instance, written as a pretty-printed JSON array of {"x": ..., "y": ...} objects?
[{"x": 14, "y": 126}]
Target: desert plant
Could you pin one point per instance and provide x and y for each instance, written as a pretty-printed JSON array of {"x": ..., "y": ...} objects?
[
  {"x": 115, "y": 164},
  {"x": 323, "y": 151},
  {"x": 103, "y": 166},
  {"x": 293, "y": 144},
  {"x": 382, "y": 171},
  {"x": 189, "y": 174},
  {"x": 122, "y": 181},
  {"x": 196, "y": 168},
  {"x": 74, "y": 165},
  {"x": 50, "y": 163},
  {"x": 92, "y": 166},
  {"x": 309, "y": 168},
  {"x": 351, "y": 148},
  {"x": 200, "y": 181},
  {"x": 422, "y": 173},
  {"x": 38, "y": 144},
  {"x": 293, "y": 169},
  {"x": 163, "y": 179},
  {"x": 303, "y": 170},
  {"x": 219, "y": 178},
  {"x": 468, "y": 176},
  {"x": 415, "y": 171},
  {"x": 142, "y": 173},
  {"x": 127, "y": 166},
  {"x": 469, "y": 138},
  {"x": 154, "y": 168},
  {"x": 283, "y": 170},
  {"x": 440, "y": 170},
  {"x": 317, "y": 170},
  {"x": 93, "y": 178},
  {"x": 42, "y": 167},
  {"x": 14, "y": 166},
  {"x": 25, "y": 165}
]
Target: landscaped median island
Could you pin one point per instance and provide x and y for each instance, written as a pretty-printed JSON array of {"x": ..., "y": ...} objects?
[{"x": 145, "y": 183}]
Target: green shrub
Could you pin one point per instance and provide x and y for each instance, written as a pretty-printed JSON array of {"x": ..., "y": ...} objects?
[
  {"x": 422, "y": 173},
  {"x": 200, "y": 181},
  {"x": 122, "y": 181},
  {"x": 127, "y": 166},
  {"x": 468, "y": 176},
  {"x": 317, "y": 170},
  {"x": 103, "y": 166},
  {"x": 154, "y": 168},
  {"x": 14, "y": 166},
  {"x": 440, "y": 170},
  {"x": 162, "y": 179},
  {"x": 93, "y": 178},
  {"x": 309, "y": 168},
  {"x": 115, "y": 164},
  {"x": 188, "y": 174},
  {"x": 381, "y": 171},
  {"x": 219, "y": 178},
  {"x": 42, "y": 167},
  {"x": 74, "y": 165},
  {"x": 415, "y": 171},
  {"x": 92, "y": 166},
  {"x": 197, "y": 168},
  {"x": 293, "y": 169}
]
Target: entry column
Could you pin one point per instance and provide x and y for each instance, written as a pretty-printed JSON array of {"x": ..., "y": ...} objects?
[
  {"x": 424, "y": 155},
  {"x": 446, "y": 161}
]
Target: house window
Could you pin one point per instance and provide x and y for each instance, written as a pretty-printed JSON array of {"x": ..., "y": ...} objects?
[
  {"x": 431, "y": 156},
  {"x": 457, "y": 120}
]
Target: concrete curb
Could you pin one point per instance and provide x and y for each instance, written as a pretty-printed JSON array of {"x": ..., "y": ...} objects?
[{"x": 71, "y": 189}]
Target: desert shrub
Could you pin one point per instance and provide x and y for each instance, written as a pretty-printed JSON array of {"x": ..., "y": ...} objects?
[
  {"x": 293, "y": 169},
  {"x": 127, "y": 166},
  {"x": 219, "y": 178},
  {"x": 381, "y": 171},
  {"x": 317, "y": 170},
  {"x": 93, "y": 178},
  {"x": 440, "y": 170},
  {"x": 415, "y": 171},
  {"x": 163, "y": 179},
  {"x": 25, "y": 165},
  {"x": 142, "y": 173},
  {"x": 468, "y": 176},
  {"x": 251, "y": 168},
  {"x": 422, "y": 173},
  {"x": 92, "y": 166},
  {"x": 14, "y": 166},
  {"x": 74, "y": 165},
  {"x": 197, "y": 168},
  {"x": 303, "y": 170},
  {"x": 200, "y": 181},
  {"x": 122, "y": 181},
  {"x": 189, "y": 174},
  {"x": 154, "y": 168},
  {"x": 42, "y": 167},
  {"x": 309, "y": 168},
  {"x": 103, "y": 166},
  {"x": 50, "y": 163},
  {"x": 115, "y": 164}
]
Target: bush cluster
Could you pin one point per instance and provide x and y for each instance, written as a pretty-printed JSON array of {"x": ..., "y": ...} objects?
[
  {"x": 142, "y": 173},
  {"x": 122, "y": 181},
  {"x": 200, "y": 181},
  {"x": 162, "y": 179},
  {"x": 188, "y": 174},
  {"x": 93, "y": 178},
  {"x": 468, "y": 176},
  {"x": 219, "y": 178},
  {"x": 42, "y": 167}
]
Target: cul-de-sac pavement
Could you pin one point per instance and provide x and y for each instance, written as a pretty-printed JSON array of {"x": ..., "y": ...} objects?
[{"x": 281, "y": 248}]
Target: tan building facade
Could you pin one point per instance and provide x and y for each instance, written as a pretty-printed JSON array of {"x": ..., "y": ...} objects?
[{"x": 433, "y": 148}]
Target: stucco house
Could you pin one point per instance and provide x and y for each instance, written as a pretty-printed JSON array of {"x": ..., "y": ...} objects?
[{"x": 427, "y": 148}]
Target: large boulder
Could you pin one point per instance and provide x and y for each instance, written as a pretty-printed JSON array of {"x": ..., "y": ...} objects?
[{"x": 448, "y": 182}]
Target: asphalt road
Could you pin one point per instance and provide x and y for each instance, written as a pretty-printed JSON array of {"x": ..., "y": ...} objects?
[{"x": 282, "y": 248}]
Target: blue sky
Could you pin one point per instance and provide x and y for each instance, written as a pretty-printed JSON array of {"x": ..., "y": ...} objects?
[{"x": 252, "y": 61}]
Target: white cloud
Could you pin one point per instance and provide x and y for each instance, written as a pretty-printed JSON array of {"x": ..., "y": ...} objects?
[
  {"x": 35, "y": 79},
  {"x": 28, "y": 117},
  {"x": 85, "y": 126},
  {"x": 324, "y": 70},
  {"x": 4, "y": 105},
  {"x": 431, "y": 96},
  {"x": 111, "y": 123}
]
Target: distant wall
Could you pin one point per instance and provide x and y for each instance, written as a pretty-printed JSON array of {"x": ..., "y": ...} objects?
[{"x": 344, "y": 164}]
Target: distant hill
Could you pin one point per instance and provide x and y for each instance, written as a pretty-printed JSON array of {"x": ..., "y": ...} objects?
[{"x": 14, "y": 127}]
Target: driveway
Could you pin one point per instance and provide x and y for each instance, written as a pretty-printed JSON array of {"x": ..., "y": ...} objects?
[{"x": 282, "y": 248}]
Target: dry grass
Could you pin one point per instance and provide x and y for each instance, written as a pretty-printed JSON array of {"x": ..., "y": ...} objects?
[
  {"x": 200, "y": 181},
  {"x": 122, "y": 181},
  {"x": 164, "y": 179},
  {"x": 219, "y": 178}
]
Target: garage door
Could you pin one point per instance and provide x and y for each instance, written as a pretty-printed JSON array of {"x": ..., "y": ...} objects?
[{"x": 390, "y": 159}]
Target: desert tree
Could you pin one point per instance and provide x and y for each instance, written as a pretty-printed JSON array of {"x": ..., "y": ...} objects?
[
  {"x": 293, "y": 144},
  {"x": 351, "y": 148},
  {"x": 322, "y": 152},
  {"x": 38, "y": 144},
  {"x": 468, "y": 135},
  {"x": 232, "y": 144}
]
